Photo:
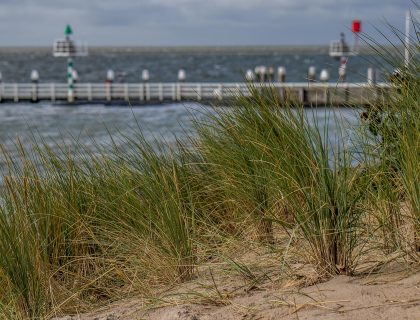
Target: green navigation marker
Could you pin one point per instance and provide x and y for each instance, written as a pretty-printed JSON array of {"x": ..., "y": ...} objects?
[{"x": 68, "y": 31}]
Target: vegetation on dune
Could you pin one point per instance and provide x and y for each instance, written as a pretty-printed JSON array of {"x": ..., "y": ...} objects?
[{"x": 82, "y": 227}]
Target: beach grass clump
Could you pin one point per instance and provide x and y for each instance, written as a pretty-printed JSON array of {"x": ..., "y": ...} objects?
[
  {"x": 406, "y": 134},
  {"x": 160, "y": 200},
  {"x": 242, "y": 171},
  {"x": 272, "y": 161},
  {"x": 81, "y": 228},
  {"x": 48, "y": 247},
  {"x": 391, "y": 145},
  {"x": 398, "y": 163}
]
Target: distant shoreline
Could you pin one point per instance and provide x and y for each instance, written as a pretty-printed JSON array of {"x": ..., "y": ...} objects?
[{"x": 208, "y": 49}]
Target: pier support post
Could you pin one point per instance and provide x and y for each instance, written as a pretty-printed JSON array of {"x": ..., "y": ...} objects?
[
  {"x": 281, "y": 78},
  {"x": 324, "y": 77},
  {"x": 249, "y": 76},
  {"x": 311, "y": 79},
  {"x": 311, "y": 74},
  {"x": 145, "y": 76},
  {"x": 302, "y": 95},
  {"x": 257, "y": 74},
  {"x": 342, "y": 70},
  {"x": 182, "y": 76},
  {"x": 34, "y": 80},
  {"x": 108, "y": 84},
  {"x": 371, "y": 76},
  {"x": 281, "y": 74},
  {"x": 261, "y": 73}
]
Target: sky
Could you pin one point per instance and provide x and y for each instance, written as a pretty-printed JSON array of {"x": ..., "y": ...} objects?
[{"x": 193, "y": 22}]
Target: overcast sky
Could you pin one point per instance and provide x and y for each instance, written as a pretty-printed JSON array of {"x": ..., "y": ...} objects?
[{"x": 192, "y": 22}]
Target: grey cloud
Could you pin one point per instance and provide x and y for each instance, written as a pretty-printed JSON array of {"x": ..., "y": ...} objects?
[{"x": 171, "y": 22}]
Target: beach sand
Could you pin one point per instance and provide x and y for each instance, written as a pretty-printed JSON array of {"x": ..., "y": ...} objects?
[{"x": 390, "y": 294}]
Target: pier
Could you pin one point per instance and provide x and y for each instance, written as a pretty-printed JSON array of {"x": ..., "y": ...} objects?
[{"x": 307, "y": 93}]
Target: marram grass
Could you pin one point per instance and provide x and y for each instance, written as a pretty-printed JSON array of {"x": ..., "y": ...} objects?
[{"x": 82, "y": 227}]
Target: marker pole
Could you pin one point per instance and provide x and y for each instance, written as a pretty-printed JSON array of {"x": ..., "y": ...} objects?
[{"x": 70, "y": 82}]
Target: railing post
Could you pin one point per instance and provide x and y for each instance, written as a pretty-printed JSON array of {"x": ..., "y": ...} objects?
[
  {"x": 147, "y": 92},
  {"x": 108, "y": 90},
  {"x": 178, "y": 91},
  {"x": 173, "y": 92},
  {"x": 160, "y": 92},
  {"x": 16, "y": 92},
  {"x": 89, "y": 92},
  {"x": 141, "y": 92},
  {"x": 52, "y": 92},
  {"x": 126, "y": 92},
  {"x": 199, "y": 92},
  {"x": 301, "y": 95}
]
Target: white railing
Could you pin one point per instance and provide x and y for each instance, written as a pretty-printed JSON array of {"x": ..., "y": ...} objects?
[{"x": 161, "y": 92}]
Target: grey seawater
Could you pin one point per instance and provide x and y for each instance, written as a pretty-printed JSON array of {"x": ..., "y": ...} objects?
[
  {"x": 204, "y": 64},
  {"x": 88, "y": 123}
]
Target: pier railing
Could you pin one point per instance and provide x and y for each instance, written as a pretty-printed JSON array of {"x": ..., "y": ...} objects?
[{"x": 138, "y": 93}]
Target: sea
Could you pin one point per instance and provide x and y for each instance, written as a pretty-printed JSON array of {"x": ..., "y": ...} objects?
[{"x": 93, "y": 124}]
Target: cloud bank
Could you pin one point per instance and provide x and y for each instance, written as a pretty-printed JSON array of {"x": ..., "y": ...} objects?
[{"x": 192, "y": 22}]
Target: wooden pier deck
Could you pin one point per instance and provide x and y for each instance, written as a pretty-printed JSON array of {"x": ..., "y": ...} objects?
[{"x": 147, "y": 93}]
